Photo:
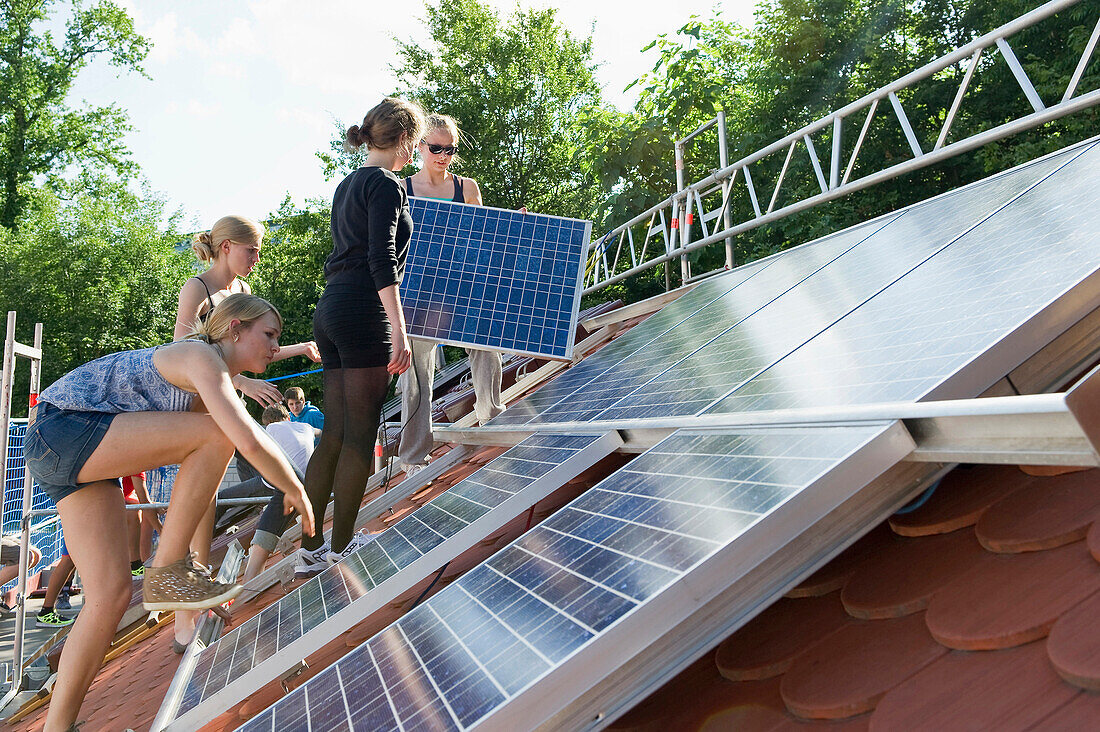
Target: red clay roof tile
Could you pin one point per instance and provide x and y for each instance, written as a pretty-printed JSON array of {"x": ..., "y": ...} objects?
[
  {"x": 1080, "y": 713},
  {"x": 960, "y": 499},
  {"x": 834, "y": 574},
  {"x": 851, "y": 669},
  {"x": 1010, "y": 599},
  {"x": 901, "y": 577},
  {"x": 1043, "y": 514},
  {"x": 1074, "y": 645},
  {"x": 768, "y": 644},
  {"x": 999, "y": 690}
]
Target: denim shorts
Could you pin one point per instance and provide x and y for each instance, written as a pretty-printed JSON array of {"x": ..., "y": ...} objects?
[{"x": 58, "y": 443}]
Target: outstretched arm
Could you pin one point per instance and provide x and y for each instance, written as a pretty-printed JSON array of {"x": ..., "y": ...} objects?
[
  {"x": 210, "y": 378},
  {"x": 307, "y": 349}
]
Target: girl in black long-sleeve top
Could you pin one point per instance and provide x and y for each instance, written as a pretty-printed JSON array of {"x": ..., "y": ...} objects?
[{"x": 358, "y": 324}]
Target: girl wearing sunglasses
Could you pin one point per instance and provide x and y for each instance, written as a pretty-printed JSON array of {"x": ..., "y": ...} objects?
[{"x": 437, "y": 153}]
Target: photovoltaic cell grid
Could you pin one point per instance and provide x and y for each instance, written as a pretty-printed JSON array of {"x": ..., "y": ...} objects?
[
  {"x": 766, "y": 328},
  {"x": 45, "y": 532},
  {"x": 971, "y": 295},
  {"x": 749, "y": 306},
  {"x": 488, "y": 277},
  {"x": 479, "y": 643},
  {"x": 642, "y": 335},
  {"x": 283, "y": 623}
]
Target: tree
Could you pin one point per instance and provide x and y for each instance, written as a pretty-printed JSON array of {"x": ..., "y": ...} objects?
[
  {"x": 96, "y": 265},
  {"x": 39, "y": 132},
  {"x": 518, "y": 88},
  {"x": 805, "y": 58}
]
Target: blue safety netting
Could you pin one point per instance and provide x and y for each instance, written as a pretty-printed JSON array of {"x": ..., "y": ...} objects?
[{"x": 46, "y": 530}]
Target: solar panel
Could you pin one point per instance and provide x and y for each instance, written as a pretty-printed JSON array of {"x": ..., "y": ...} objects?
[
  {"x": 641, "y": 335},
  {"x": 272, "y": 642},
  {"x": 1014, "y": 269},
  {"x": 764, "y": 335},
  {"x": 748, "y": 303},
  {"x": 576, "y": 596},
  {"x": 489, "y": 277}
]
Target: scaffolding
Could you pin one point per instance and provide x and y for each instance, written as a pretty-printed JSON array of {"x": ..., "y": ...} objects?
[{"x": 667, "y": 231}]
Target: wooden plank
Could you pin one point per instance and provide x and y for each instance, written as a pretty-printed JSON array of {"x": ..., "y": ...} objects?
[{"x": 634, "y": 310}]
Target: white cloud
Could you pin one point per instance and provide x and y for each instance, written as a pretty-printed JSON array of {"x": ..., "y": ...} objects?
[
  {"x": 200, "y": 109},
  {"x": 164, "y": 33},
  {"x": 344, "y": 49}
]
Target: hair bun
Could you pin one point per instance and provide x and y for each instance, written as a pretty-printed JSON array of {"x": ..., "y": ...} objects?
[
  {"x": 203, "y": 246},
  {"x": 353, "y": 139}
]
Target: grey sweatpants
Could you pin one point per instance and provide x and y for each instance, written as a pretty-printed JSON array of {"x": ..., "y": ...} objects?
[{"x": 416, "y": 396}]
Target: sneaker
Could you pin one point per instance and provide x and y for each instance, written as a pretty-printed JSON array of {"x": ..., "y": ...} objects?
[
  {"x": 6, "y": 610},
  {"x": 139, "y": 572},
  {"x": 63, "y": 607},
  {"x": 182, "y": 586},
  {"x": 51, "y": 620},
  {"x": 308, "y": 563},
  {"x": 358, "y": 541},
  {"x": 411, "y": 470}
]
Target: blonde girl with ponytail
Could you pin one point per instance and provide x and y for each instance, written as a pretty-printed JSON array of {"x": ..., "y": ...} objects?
[{"x": 232, "y": 249}]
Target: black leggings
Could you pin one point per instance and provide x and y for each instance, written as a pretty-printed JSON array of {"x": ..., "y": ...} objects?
[{"x": 344, "y": 458}]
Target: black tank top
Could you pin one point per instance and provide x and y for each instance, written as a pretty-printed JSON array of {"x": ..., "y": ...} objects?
[{"x": 458, "y": 196}]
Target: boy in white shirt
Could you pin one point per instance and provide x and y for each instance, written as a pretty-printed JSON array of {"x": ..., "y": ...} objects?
[{"x": 296, "y": 439}]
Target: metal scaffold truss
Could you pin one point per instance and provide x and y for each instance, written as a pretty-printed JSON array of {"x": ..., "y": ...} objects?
[{"x": 707, "y": 212}]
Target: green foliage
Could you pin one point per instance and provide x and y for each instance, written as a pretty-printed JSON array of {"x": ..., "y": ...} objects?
[
  {"x": 805, "y": 58},
  {"x": 39, "y": 133},
  {"x": 96, "y": 265},
  {"x": 518, "y": 87}
]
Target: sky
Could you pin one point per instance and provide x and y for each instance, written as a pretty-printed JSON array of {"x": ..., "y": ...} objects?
[{"x": 243, "y": 93}]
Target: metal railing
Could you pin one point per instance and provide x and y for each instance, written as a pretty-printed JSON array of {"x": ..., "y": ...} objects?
[{"x": 665, "y": 232}]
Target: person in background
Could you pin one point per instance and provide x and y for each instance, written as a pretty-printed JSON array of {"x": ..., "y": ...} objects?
[
  {"x": 358, "y": 323},
  {"x": 231, "y": 249},
  {"x": 134, "y": 493},
  {"x": 49, "y": 615},
  {"x": 135, "y": 410},
  {"x": 296, "y": 439},
  {"x": 438, "y": 152},
  {"x": 301, "y": 410},
  {"x": 9, "y": 561}
]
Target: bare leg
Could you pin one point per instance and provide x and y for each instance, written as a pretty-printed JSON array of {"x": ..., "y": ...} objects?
[
  {"x": 139, "y": 440},
  {"x": 93, "y": 519},
  {"x": 186, "y": 620},
  {"x": 257, "y": 557},
  {"x": 146, "y": 543},
  {"x": 133, "y": 534},
  {"x": 61, "y": 573}
]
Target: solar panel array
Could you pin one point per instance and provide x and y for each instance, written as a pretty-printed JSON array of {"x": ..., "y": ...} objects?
[
  {"x": 459, "y": 517},
  {"x": 490, "y": 636},
  {"x": 789, "y": 318},
  {"x": 941, "y": 299},
  {"x": 489, "y": 277}
]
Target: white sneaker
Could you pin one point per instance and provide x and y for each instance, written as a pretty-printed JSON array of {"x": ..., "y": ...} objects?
[
  {"x": 358, "y": 541},
  {"x": 411, "y": 470},
  {"x": 308, "y": 563}
]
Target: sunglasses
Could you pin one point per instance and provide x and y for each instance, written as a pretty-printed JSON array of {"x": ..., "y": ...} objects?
[{"x": 445, "y": 149}]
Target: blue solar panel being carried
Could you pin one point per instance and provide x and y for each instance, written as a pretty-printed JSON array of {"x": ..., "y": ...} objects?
[{"x": 482, "y": 276}]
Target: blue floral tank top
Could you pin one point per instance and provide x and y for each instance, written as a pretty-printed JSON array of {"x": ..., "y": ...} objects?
[{"x": 126, "y": 381}]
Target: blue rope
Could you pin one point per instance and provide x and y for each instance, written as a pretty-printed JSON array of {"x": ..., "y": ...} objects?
[
  {"x": 291, "y": 376},
  {"x": 919, "y": 500}
]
